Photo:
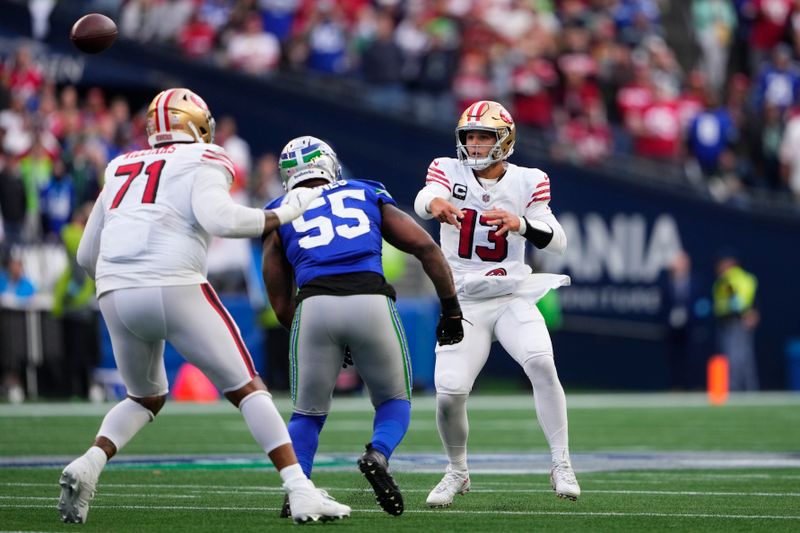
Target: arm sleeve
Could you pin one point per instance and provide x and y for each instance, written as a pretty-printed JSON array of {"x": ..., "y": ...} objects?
[
  {"x": 424, "y": 197},
  {"x": 437, "y": 185},
  {"x": 558, "y": 242},
  {"x": 538, "y": 212},
  {"x": 216, "y": 211},
  {"x": 89, "y": 247}
]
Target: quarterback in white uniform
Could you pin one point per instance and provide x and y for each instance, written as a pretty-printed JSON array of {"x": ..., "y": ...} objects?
[
  {"x": 145, "y": 244},
  {"x": 489, "y": 208}
]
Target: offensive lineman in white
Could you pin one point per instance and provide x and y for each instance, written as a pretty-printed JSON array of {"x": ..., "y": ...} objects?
[
  {"x": 145, "y": 244},
  {"x": 489, "y": 208}
]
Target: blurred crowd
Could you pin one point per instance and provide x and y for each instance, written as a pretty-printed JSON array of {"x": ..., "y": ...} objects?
[
  {"x": 55, "y": 143},
  {"x": 710, "y": 85}
]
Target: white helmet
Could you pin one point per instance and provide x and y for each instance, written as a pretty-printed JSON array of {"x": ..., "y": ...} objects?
[{"x": 305, "y": 158}]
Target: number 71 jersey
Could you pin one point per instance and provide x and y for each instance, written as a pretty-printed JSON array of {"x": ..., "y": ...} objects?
[
  {"x": 150, "y": 234},
  {"x": 476, "y": 246},
  {"x": 340, "y": 233}
]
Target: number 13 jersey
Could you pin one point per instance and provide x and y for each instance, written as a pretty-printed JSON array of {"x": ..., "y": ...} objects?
[{"x": 476, "y": 247}]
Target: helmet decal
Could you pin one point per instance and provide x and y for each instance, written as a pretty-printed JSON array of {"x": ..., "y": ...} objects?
[
  {"x": 179, "y": 115},
  {"x": 305, "y": 158}
]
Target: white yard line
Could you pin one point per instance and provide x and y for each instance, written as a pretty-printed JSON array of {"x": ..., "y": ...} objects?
[
  {"x": 436, "y": 511},
  {"x": 427, "y": 403}
]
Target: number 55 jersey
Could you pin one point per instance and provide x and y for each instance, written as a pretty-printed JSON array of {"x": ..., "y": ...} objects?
[{"x": 339, "y": 234}]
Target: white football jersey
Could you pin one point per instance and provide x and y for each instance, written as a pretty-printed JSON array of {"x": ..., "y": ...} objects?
[
  {"x": 476, "y": 246},
  {"x": 150, "y": 234}
]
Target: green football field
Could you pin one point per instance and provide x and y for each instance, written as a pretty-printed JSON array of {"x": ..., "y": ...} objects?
[{"x": 645, "y": 463}]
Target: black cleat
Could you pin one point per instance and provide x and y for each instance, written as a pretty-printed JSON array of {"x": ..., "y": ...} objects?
[
  {"x": 286, "y": 511},
  {"x": 375, "y": 467}
]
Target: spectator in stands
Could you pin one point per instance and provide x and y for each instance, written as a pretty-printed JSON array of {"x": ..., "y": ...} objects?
[
  {"x": 585, "y": 137},
  {"x": 471, "y": 82},
  {"x": 769, "y": 19},
  {"x": 768, "y": 144},
  {"x": 789, "y": 154},
  {"x": 734, "y": 296},
  {"x": 265, "y": 183},
  {"x": 326, "y": 34},
  {"x": 382, "y": 66},
  {"x": 727, "y": 184},
  {"x": 253, "y": 50},
  {"x": 437, "y": 67},
  {"x": 74, "y": 304},
  {"x": 198, "y": 37},
  {"x": 24, "y": 77},
  {"x": 12, "y": 204},
  {"x": 657, "y": 132},
  {"x": 226, "y": 135},
  {"x": 56, "y": 202},
  {"x": 533, "y": 84},
  {"x": 15, "y": 292},
  {"x": 778, "y": 82},
  {"x": 714, "y": 24},
  {"x": 709, "y": 134}
]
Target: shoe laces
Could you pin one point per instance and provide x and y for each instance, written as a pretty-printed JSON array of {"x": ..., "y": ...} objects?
[
  {"x": 324, "y": 494},
  {"x": 451, "y": 479}
]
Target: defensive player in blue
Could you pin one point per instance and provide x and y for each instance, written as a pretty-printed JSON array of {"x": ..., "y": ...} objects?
[{"x": 344, "y": 304}]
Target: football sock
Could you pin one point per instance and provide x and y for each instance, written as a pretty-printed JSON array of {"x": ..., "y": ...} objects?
[
  {"x": 451, "y": 419},
  {"x": 264, "y": 420},
  {"x": 551, "y": 404},
  {"x": 96, "y": 457},
  {"x": 304, "y": 430},
  {"x": 293, "y": 477},
  {"x": 390, "y": 425},
  {"x": 123, "y": 421}
]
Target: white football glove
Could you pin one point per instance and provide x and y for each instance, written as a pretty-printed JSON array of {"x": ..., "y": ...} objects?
[{"x": 296, "y": 202}]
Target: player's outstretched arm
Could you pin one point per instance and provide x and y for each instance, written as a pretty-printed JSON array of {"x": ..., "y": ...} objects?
[
  {"x": 403, "y": 233},
  {"x": 278, "y": 279},
  {"x": 89, "y": 247}
]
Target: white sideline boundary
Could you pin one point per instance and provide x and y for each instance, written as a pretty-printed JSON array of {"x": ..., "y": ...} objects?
[{"x": 515, "y": 402}]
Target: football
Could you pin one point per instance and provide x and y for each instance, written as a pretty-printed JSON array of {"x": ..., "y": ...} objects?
[{"x": 93, "y": 33}]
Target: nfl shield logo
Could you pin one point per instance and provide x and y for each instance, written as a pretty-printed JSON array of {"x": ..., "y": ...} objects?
[{"x": 485, "y": 197}]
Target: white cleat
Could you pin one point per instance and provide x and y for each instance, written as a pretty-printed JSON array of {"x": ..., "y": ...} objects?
[
  {"x": 562, "y": 479},
  {"x": 310, "y": 504},
  {"x": 451, "y": 484},
  {"x": 78, "y": 482}
]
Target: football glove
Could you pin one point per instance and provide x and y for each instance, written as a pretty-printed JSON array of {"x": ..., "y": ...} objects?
[
  {"x": 296, "y": 202},
  {"x": 348, "y": 357},
  {"x": 449, "y": 330}
]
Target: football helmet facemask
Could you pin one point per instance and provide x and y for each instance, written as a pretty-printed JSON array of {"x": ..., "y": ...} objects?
[
  {"x": 487, "y": 116},
  {"x": 305, "y": 158},
  {"x": 179, "y": 115}
]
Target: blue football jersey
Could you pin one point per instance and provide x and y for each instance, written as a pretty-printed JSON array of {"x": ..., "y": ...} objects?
[{"x": 340, "y": 233}]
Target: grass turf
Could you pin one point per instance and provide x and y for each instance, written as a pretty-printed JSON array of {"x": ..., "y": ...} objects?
[{"x": 208, "y": 498}]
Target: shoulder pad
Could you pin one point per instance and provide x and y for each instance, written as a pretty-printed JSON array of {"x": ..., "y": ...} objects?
[{"x": 211, "y": 154}]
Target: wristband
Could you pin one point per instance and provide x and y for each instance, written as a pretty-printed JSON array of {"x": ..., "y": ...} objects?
[
  {"x": 539, "y": 233},
  {"x": 450, "y": 306}
]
